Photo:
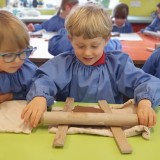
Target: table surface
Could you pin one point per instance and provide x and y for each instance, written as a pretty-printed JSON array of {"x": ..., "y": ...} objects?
[
  {"x": 41, "y": 55},
  {"x": 37, "y": 146},
  {"x": 36, "y": 19},
  {"x": 137, "y": 50}
]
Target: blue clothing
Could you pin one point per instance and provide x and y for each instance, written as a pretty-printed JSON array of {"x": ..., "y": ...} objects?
[
  {"x": 65, "y": 75},
  {"x": 113, "y": 45},
  {"x": 154, "y": 26},
  {"x": 126, "y": 28},
  {"x": 60, "y": 43},
  {"x": 152, "y": 65},
  {"x": 52, "y": 25},
  {"x": 19, "y": 82}
]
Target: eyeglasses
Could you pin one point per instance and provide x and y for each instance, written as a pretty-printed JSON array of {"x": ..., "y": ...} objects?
[{"x": 10, "y": 57}]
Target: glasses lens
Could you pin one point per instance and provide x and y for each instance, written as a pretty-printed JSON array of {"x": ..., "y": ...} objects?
[
  {"x": 22, "y": 55},
  {"x": 29, "y": 50},
  {"x": 28, "y": 53},
  {"x": 10, "y": 57}
]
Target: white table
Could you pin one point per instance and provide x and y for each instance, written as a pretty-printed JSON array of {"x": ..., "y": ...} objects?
[{"x": 41, "y": 55}]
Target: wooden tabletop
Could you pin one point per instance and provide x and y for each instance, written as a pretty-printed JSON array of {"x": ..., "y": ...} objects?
[{"x": 137, "y": 50}]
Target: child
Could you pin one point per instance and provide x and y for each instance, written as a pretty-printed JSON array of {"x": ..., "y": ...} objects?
[
  {"x": 155, "y": 25},
  {"x": 120, "y": 14},
  {"x": 89, "y": 74},
  {"x": 60, "y": 43},
  {"x": 15, "y": 70},
  {"x": 152, "y": 65},
  {"x": 57, "y": 21}
]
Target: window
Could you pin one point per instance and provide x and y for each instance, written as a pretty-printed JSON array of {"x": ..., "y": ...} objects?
[{"x": 53, "y": 3}]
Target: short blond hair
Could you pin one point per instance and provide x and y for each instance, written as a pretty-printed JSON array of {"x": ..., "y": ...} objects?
[
  {"x": 13, "y": 33},
  {"x": 90, "y": 20}
]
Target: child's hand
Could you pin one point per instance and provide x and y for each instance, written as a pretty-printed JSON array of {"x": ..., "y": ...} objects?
[
  {"x": 6, "y": 97},
  {"x": 33, "y": 112},
  {"x": 146, "y": 114},
  {"x": 31, "y": 27}
]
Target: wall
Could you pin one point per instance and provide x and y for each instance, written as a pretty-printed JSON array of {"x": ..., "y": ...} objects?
[
  {"x": 147, "y": 7},
  {"x": 47, "y": 11},
  {"x": 2, "y": 3}
]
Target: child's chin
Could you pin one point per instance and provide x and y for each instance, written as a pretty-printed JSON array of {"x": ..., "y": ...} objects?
[{"x": 12, "y": 70}]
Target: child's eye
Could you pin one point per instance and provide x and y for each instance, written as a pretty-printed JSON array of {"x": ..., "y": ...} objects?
[
  {"x": 9, "y": 55},
  {"x": 94, "y": 46},
  {"x": 81, "y": 47}
]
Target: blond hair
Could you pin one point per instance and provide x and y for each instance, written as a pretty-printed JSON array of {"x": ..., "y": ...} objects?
[
  {"x": 89, "y": 20},
  {"x": 13, "y": 33}
]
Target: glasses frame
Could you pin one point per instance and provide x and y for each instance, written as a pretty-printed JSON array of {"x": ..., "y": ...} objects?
[{"x": 28, "y": 51}]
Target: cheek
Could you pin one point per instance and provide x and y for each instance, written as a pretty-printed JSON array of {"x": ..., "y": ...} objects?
[
  {"x": 119, "y": 22},
  {"x": 98, "y": 53},
  {"x": 21, "y": 62},
  {"x": 2, "y": 65},
  {"x": 77, "y": 52}
]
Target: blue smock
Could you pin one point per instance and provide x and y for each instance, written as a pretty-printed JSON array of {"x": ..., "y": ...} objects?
[
  {"x": 19, "y": 82},
  {"x": 152, "y": 65},
  {"x": 60, "y": 43},
  {"x": 66, "y": 76},
  {"x": 126, "y": 28},
  {"x": 52, "y": 25},
  {"x": 155, "y": 25}
]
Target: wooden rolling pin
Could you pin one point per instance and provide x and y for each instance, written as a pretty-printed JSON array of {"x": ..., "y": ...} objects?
[{"x": 92, "y": 119}]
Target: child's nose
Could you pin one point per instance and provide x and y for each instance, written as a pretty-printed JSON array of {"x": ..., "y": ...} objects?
[
  {"x": 87, "y": 52},
  {"x": 17, "y": 60}
]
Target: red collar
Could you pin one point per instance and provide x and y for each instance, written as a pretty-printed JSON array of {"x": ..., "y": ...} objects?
[{"x": 100, "y": 61}]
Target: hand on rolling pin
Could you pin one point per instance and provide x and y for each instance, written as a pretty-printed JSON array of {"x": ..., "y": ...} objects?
[
  {"x": 33, "y": 112},
  {"x": 146, "y": 114}
]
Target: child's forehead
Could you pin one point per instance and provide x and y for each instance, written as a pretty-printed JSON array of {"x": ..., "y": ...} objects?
[
  {"x": 13, "y": 44},
  {"x": 6, "y": 48},
  {"x": 81, "y": 39},
  {"x": 120, "y": 18}
]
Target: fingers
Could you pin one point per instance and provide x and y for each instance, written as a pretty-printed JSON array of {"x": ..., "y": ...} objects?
[
  {"x": 27, "y": 114},
  {"x": 31, "y": 117},
  {"x": 152, "y": 119},
  {"x": 24, "y": 112},
  {"x": 147, "y": 118},
  {"x": 33, "y": 112},
  {"x": 35, "y": 118}
]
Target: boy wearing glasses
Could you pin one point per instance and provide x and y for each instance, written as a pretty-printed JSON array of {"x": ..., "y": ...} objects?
[{"x": 16, "y": 70}]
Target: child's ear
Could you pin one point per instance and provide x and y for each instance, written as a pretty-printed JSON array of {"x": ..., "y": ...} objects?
[
  {"x": 107, "y": 39},
  {"x": 69, "y": 37}
]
